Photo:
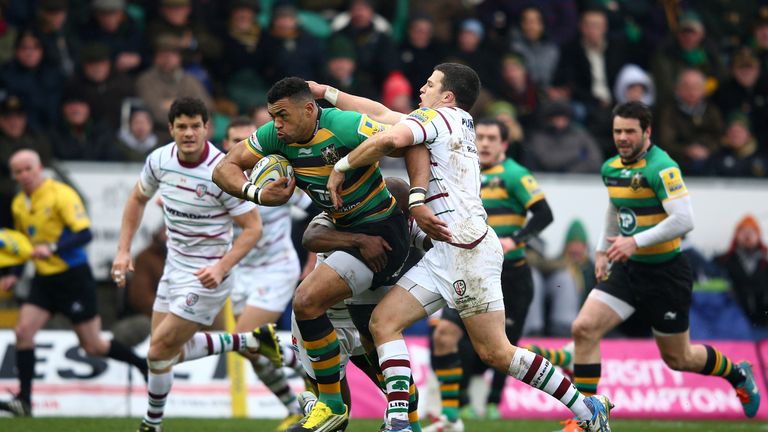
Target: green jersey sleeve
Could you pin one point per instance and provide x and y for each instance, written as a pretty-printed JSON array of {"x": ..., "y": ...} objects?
[
  {"x": 264, "y": 141},
  {"x": 523, "y": 186},
  {"x": 353, "y": 128},
  {"x": 668, "y": 183}
]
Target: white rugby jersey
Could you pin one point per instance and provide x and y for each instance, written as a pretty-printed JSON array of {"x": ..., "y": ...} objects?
[
  {"x": 454, "y": 182},
  {"x": 275, "y": 246},
  {"x": 198, "y": 215}
]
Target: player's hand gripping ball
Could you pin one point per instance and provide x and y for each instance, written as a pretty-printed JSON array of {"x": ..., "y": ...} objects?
[{"x": 269, "y": 169}]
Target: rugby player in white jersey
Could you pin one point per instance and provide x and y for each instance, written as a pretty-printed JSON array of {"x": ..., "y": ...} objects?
[
  {"x": 463, "y": 268},
  {"x": 196, "y": 281},
  {"x": 264, "y": 280}
]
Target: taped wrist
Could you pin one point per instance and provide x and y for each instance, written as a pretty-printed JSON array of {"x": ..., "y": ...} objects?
[
  {"x": 251, "y": 192},
  {"x": 417, "y": 197}
]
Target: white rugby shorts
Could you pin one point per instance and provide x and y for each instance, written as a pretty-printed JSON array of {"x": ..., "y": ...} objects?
[
  {"x": 181, "y": 293},
  {"x": 268, "y": 287}
]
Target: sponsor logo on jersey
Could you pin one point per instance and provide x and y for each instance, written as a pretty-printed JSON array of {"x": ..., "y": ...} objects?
[
  {"x": 200, "y": 190},
  {"x": 192, "y": 299},
  {"x": 637, "y": 182},
  {"x": 423, "y": 115},
  {"x": 531, "y": 185},
  {"x": 330, "y": 155},
  {"x": 460, "y": 287},
  {"x": 368, "y": 127},
  {"x": 673, "y": 182},
  {"x": 627, "y": 221},
  {"x": 305, "y": 151},
  {"x": 254, "y": 142}
]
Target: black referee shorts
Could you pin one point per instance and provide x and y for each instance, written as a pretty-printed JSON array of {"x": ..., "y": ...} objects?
[{"x": 72, "y": 293}]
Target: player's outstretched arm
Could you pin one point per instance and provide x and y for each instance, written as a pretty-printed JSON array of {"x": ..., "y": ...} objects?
[
  {"x": 132, "y": 215},
  {"x": 229, "y": 172},
  {"x": 349, "y": 102}
]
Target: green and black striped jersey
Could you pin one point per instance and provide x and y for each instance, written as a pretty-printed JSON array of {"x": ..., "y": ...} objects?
[
  {"x": 638, "y": 192},
  {"x": 366, "y": 198},
  {"x": 508, "y": 190}
]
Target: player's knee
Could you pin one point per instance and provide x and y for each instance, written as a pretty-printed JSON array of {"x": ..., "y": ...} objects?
[
  {"x": 583, "y": 329},
  {"x": 676, "y": 361},
  {"x": 381, "y": 326},
  {"x": 305, "y": 306},
  {"x": 93, "y": 349},
  {"x": 25, "y": 335}
]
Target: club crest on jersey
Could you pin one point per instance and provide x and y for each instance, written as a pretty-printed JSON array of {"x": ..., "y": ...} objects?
[
  {"x": 192, "y": 299},
  {"x": 636, "y": 183},
  {"x": 200, "y": 190},
  {"x": 460, "y": 287},
  {"x": 330, "y": 155}
]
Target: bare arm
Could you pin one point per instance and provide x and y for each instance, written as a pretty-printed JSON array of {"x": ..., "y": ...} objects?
[
  {"x": 250, "y": 222},
  {"x": 320, "y": 237},
  {"x": 349, "y": 102},
  {"x": 380, "y": 145},
  {"x": 132, "y": 215},
  {"x": 228, "y": 174},
  {"x": 418, "y": 166}
]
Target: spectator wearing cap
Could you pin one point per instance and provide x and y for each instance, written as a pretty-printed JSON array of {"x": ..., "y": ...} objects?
[
  {"x": 78, "y": 136},
  {"x": 291, "y": 51},
  {"x": 470, "y": 49},
  {"x": 738, "y": 155},
  {"x": 100, "y": 86},
  {"x": 174, "y": 18},
  {"x": 37, "y": 85},
  {"x": 166, "y": 81},
  {"x": 56, "y": 33},
  {"x": 634, "y": 84},
  {"x": 586, "y": 74},
  {"x": 686, "y": 48},
  {"x": 375, "y": 50},
  {"x": 420, "y": 51},
  {"x": 15, "y": 135},
  {"x": 109, "y": 24},
  {"x": 746, "y": 91},
  {"x": 690, "y": 128},
  {"x": 560, "y": 145},
  {"x": 396, "y": 93},
  {"x": 746, "y": 264},
  {"x": 530, "y": 40},
  {"x": 241, "y": 40},
  {"x": 136, "y": 140},
  {"x": 341, "y": 69}
]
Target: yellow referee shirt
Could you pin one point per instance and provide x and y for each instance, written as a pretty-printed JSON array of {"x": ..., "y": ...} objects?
[{"x": 53, "y": 212}]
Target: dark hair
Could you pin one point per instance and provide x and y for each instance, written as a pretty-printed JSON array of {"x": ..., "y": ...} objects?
[
  {"x": 189, "y": 107},
  {"x": 462, "y": 81},
  {"x": 635, "y": 110},
  {"x": 294, "y": 88},
  {"x": 503, "y": 129},
  {"x": 239, "y": 121}
]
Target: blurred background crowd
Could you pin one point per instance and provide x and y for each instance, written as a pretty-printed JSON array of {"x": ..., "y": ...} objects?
[{"x": 91, "y": 80}]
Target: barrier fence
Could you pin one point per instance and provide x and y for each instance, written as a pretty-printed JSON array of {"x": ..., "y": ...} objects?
[{"x": 68, "y": 383}]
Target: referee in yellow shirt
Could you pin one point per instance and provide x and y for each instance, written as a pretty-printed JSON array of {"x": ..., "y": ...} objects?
[{"x": 52, "y": 215}]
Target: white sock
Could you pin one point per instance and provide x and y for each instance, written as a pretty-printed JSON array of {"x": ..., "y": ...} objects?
[{"x": 158, "y": 387}]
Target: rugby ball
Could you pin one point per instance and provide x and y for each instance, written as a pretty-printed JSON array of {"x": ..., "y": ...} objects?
[{"x": 269, "y": 169}]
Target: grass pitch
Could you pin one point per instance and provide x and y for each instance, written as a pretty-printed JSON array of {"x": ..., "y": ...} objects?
[{"x": 50, "y": 424}]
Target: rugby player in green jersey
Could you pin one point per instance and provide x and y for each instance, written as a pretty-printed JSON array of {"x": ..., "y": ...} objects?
[
  {"x": 639, "y": 266},
  {"x": 509, "y": 192},
  {"x": 313, "y": 140}
]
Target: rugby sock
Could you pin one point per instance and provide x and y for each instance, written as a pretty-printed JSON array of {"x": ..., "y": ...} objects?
[
  {"x": 290, "y": 358},
  {"x": 120, "y": 352},
  {"x": 557, "y": 357},
  {"x": 538, "y": 372},
  {"x": 449, "y": 372},
  {"x": 158, "y": 387},
  {"x": 396, "y": 367},
  {"x": 25, "y": 364},
  {"x": 586, "y": 377},
  {"x": 322, "y": 347},
  {"x": 413, "y": 406},
  {"x": 719, "y": 365},
  {"x": 274, "y": 379},
  {"x": 205, "y": 344}
]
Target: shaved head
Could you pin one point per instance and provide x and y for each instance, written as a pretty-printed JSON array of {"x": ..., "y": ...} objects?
[{"x": 27, "y": 169}]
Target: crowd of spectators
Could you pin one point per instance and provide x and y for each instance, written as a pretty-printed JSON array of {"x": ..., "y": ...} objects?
[{"x": 80, "y": 78}]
